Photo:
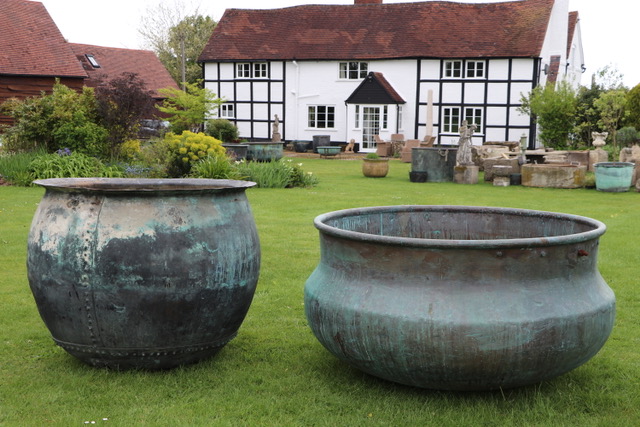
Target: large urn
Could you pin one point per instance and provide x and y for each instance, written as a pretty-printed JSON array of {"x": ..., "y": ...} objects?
[
  {"x": 459, "y": 297},
  {"x": 143, "y": 273}
]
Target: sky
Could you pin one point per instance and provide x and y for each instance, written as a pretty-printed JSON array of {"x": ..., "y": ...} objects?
[{"x": 608, "y": 27}]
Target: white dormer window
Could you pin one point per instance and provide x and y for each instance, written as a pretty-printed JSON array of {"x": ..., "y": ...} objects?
[
  {"x": 353, "y": 70},
  {"x": 93, "y": 61}
]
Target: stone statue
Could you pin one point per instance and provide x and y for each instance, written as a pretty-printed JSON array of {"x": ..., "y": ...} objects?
[
  {"x": 599, "y": 138},
  {"x": 464, "y": 157},
  {"x": 276, "y": 130}
]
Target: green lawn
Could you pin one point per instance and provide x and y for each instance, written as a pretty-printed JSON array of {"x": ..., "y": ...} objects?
[{"x": 275, "y": 372}]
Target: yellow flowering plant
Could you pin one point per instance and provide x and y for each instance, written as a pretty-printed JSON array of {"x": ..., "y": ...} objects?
[{"x": 188, "y": 148}]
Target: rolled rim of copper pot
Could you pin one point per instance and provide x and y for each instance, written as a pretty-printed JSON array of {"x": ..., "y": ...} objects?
[
  {"x": 593, "y": 228},
  {"x": 143, "y": 185}
]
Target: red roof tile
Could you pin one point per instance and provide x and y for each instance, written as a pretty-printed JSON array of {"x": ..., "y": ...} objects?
[
  {"x": 573, "y": 21},
  {"x": 115, "y": 61},
  {"x": 31, "y": 43},
  {"x": 434, "y": 29}
]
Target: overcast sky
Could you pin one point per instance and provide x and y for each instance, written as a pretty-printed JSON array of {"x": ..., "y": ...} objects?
[{"x": 609, "y": 28}]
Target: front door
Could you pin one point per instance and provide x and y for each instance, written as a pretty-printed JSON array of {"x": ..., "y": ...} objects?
[{"x": 370, "y": 127}]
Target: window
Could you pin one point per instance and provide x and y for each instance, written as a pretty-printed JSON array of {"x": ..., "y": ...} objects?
[
  {"x": 243, "y": 70},
  {"x": 260, "y": 70},
  {"x": 353, "y": 70},
  {"x": 93, "y": 61},
  {"x": 385, "y": 117},
  {"x": 227, "y": 111},
  {"x": 451, "y": 119},
  {"x": 473, "y": 116},
  {"x": 475, "y": 69},
  {"x": 400, "y": 113},
  {"x": 453, "y": 69},
  {"x": 357, "y": 121},
  {"x": 246, "y": 70},
  {"x": 322, "y": 116}
]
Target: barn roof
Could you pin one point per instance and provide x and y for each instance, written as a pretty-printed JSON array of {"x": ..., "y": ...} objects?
[
  {"x": 31, "y": 44},
  {"x": 111, "y": 62}
]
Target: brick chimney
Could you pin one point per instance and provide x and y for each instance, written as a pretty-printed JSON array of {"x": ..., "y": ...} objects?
[{"x": 367, "y": 1}]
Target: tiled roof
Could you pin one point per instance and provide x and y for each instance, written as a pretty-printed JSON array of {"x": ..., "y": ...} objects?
[
  {"x": 573, "y": 21},
  {"x": 115, "y": 61},
  {"x": 434, "y": 29},
  {"x": 31, "y": 43},
  {"x": 375, "y": 89}
]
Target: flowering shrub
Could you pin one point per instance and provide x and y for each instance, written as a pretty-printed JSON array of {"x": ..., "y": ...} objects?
[{"x": 187, "y": 149}]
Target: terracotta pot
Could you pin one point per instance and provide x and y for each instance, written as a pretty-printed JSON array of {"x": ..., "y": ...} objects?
[
  {"x": 375, "y": 168},
  {"x": 457, "y": 297}
]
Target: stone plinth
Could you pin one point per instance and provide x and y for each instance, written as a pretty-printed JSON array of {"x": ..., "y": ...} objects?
[
  {"x": 553, "y": 175},
  {"x": 466, "y": 174},
  {"x": 501, "y": 181},
  {"x": 597, "y": 156},
  {"x": 489, "y": 163}
]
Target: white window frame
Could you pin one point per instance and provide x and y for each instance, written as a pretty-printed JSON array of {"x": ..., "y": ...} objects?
[
  {"x": 475, "y": 69},
  {"x": 449, "y": 122},
  {"x": 453, "y": 69},
  {"x": 227, "y": 111},
  {"x": 384, "y": 125},
  {"x": 243, "y": 70},
  {"x": 313, "y": 117},
  {"x": 473, "y": 115},
  {"x": 353, "y": 70},
  {"x": 260, "y": 70},
  {"x": 400, "y": 117},
  {"x": 357, "y": 117},
  {"x": 252, "y": 70}
]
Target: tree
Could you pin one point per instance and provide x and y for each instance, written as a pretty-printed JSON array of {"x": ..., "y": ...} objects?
[
  {"x": 633, "y": 107},
  {"x": 608, "y": 78},
  {"x": 177, "y": 38},
  {"x": 586, "y": 114},
  {"x": 187, "y": 109},
  {"x": 553, "y": 109},
  {"x": 611, "y": 107},
  {"x": 122, "y": 103}
]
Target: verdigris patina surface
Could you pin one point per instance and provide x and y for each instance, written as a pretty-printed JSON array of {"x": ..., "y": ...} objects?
[
  {"x": 143, "y": 273},
  {"x": 458, "y": 297}
]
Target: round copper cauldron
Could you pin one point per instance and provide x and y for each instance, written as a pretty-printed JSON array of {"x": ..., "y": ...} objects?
[
  {"x": 143, "y": 273},
  {"x": 459, "y": 297}
]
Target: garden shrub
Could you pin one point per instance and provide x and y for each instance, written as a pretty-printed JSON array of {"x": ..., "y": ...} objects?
[
  {"x": 222, "y": 129},
  {"x": 14, "y": 168},
  {"x": 65, "y": 164},
  {"x": 216, "y": 167},
  {"x": 187, "y": 149},
  {"x": 64, "y": 118},
  {"x": 627, "y": 136},
  {"x": 277, "y": 174},
  {"x": 129, "y": 149}
]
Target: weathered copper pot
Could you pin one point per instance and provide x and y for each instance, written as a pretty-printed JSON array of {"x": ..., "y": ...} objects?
[
  {"x": 143, "y": 273},
  {"x": 458, "y": 297}
]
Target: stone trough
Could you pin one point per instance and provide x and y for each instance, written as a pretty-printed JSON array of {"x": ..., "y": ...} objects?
[{"x": 553, "y": 175}]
